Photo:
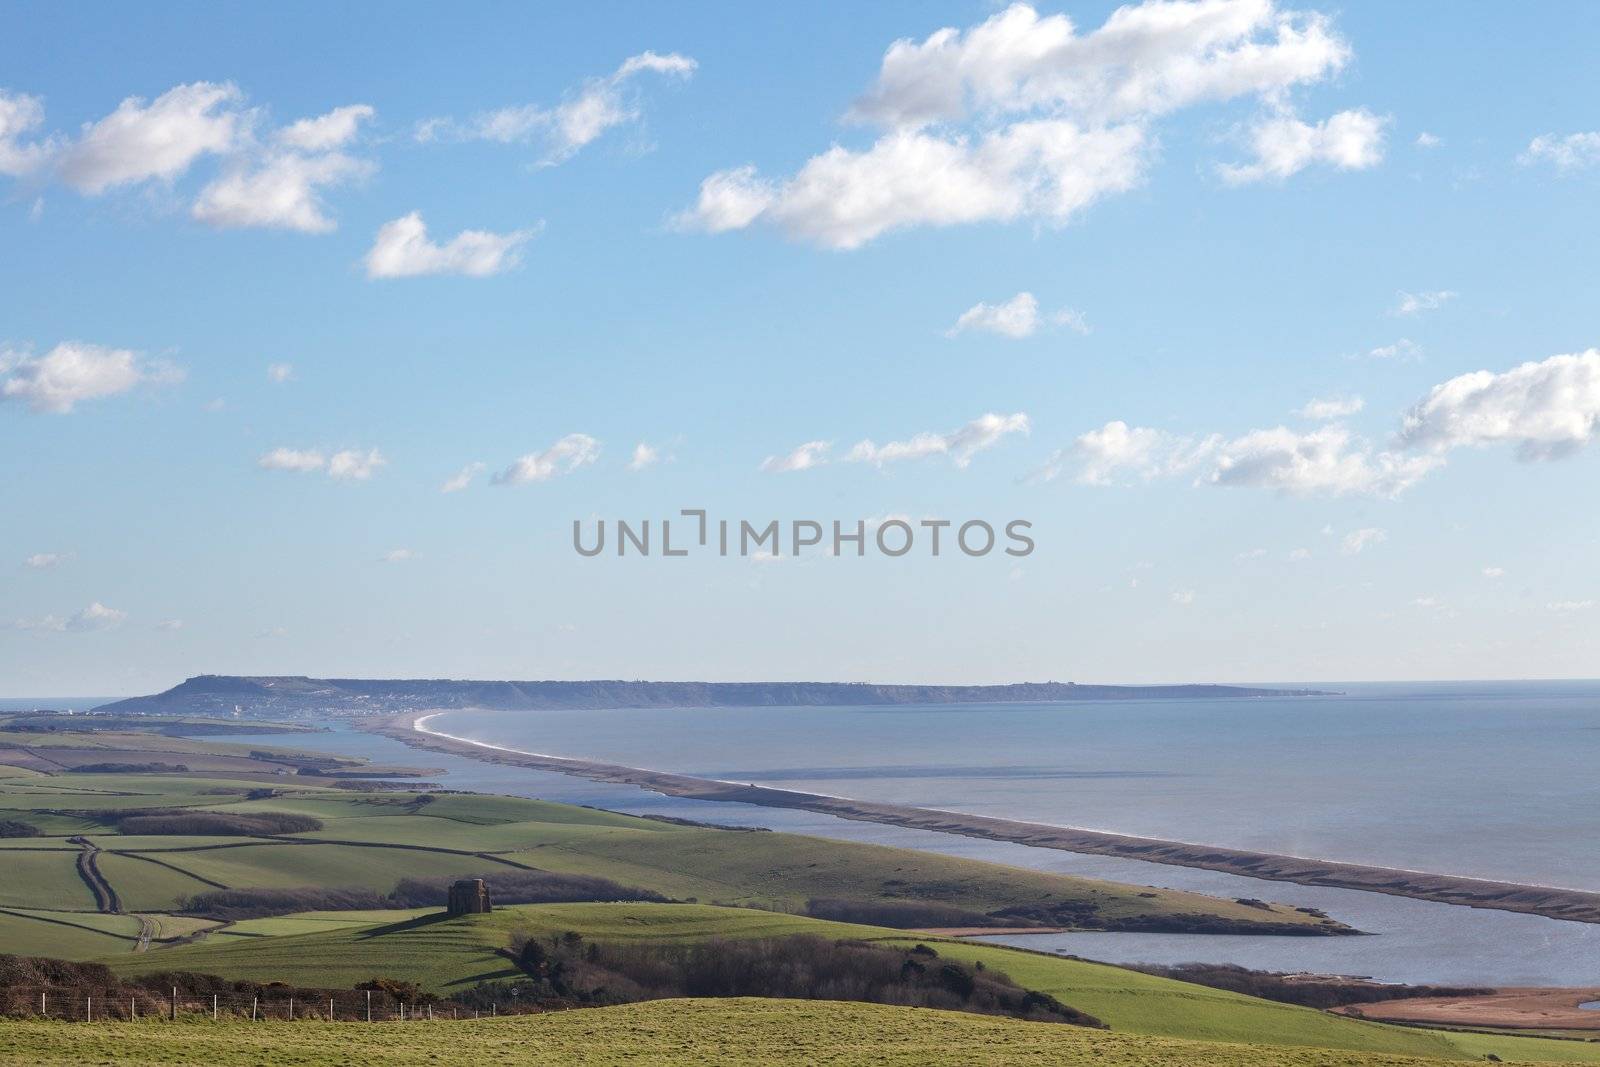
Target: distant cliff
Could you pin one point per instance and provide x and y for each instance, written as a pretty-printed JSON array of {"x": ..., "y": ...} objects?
[{"x": 294, "y": 697}]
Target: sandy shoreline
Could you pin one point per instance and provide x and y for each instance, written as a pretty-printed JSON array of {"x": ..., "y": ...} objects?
[{"x": 1556, "y": 903}]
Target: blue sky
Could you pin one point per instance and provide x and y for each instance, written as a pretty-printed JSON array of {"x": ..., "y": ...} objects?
[{"x": 235, "y": 372}]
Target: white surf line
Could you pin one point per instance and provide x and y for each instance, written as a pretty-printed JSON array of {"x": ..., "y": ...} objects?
[{"x": 418, "y": 725}]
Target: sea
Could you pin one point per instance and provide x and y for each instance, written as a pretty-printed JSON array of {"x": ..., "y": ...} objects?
[{"x": 1487, "y": 779}]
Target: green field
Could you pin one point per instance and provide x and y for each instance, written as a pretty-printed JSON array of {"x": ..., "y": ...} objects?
[
  {"x": 717, "y": 1033},
  {"x": 447, "y": 955},
  {"x": 372, "y": 840}
]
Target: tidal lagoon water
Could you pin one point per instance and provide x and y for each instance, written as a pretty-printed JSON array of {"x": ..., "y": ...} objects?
[{"x": 1492, "y": 780}]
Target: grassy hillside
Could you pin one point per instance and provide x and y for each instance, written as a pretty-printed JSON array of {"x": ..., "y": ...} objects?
[
  {"x": 447, "y": 955},
  {"x": 720, "y": 1033}
]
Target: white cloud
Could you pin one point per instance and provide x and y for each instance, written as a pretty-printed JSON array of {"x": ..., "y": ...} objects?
[
  {"x": 1017, "y": 318},
  {"x": 1415, "y": 303},
  {"x": 960, "y": 445},
  {"x": 281, "y": 191},
  {"x": 1568, "y": 607},
  {"x": 644, "y": 456},
  {"x": 1428, "y": 140},
  {"x": 326, "y": 132},
  {"x": 403, "y": 250},
  {"x": 1102, "y": 456},
  {"x": 1252, "y": 553},
  {"x": 462, "y": 478},
  {"x": 1572, "y": 152},
  {"x": 94, "y": 617},
  {"x": 397, "y": 555},
  {"x": 280, "y": 372},
  {"x": 1299, "y": 555},
  {"x": 1545, "y": 409},
  {"x": 1284, "y": 146},
  {"x": 1326, "y": 461},
  {"x": 600, "y": 104},
  {"x": 1404, "y": 350},
  {"x": 1494, "y": 572},
  {"x": 565, "y": 456},
  {"x": 1183, "y": 597},
  {"x": 156, "y": 141},
  {"x": 1023, "y": 117},
  {"x": 21, "y": 115},
  {"x": 355, "y": 465},
  {"x": 170, "y": 625},
  {"x": 301, "y": 461},
  {"x": 351, "y": 464},
  {"x": 811, "y": 454},
  {"x": 1331, "y": 407},
  {"x": 1357, "y": 541},
  {"x": 74, "y": 371},
  {"x": 41, "y": 561}
]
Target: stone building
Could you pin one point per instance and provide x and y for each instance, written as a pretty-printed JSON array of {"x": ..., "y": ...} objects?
[{"x": 468, "y": 897}]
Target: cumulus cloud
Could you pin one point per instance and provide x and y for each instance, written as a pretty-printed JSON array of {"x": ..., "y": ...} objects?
[
  {"x": 811, "y": 454},
  {"x": 462, "y": 478},
  {"x": 1016, "y": 318},
  {"x": 1428, "y": 140},
  {"x": 170, "y": 625},
  {"x": 1416, "y": 303},
  {"x": 1183, "y": 597},
  {"x": 586, "y": 113},
  {"x": 960, "y": 445},
  {"x": 41, "y": 561},
  {"x": 280, "y": 372},
  {"x": 1284, "y": 145},
  {"x": 1325, "y": 461},
  {"x": 397, "y": 555},
  {"x": 1568, "y": 607},
  {"x": 1328, "y": 460},
  {"x": 1331, "y": 407},
  {"x": 404, "y": 250},
  {"x": 1358, "y": 541},
  {"x": 20, "y": 116},
  {"x": 158, "y": 140},
  {"x": 1115, "y": 450},
  {"x": 94, "y": 617},
  {"x": 1494, "y": 572},
  {"x": 644, "y": 456},
  {"x": 326, "y": 132},
  {"x": 282, "y": 191},
  {"x": 301, "y": 461},
  {"x": 352, "y": 464},
  {"x": 355, "y": 465},
  {"x": 1024, "y": 117},
  {"x": 1544, "y": 409},
  {"x": 1575, "y": 151},
  {"x": 74, "y": 371},
  {"x": 565, "y": 456}
]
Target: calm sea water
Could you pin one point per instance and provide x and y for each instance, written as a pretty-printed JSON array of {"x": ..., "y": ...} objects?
[{"x": 1491, "y": 780}]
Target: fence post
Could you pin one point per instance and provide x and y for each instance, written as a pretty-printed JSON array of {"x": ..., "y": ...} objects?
[
  {"x": 331, "y": 1016},
  {"x": 174, "y": 1003},
  {"x": 88, "y": 1009},
  {"x": 291, "y": 1009},
  {"x": 213, "y": 1007},
  {"x": 253, "y": 1008},
  {"x": 369, "y": 1005},
  {"x": 43, "y": 1010},
  {"x": 133, "y": 1009}
]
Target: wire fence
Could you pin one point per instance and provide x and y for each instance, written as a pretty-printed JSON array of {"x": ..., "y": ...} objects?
[{"x": 65, "y": 1004}]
